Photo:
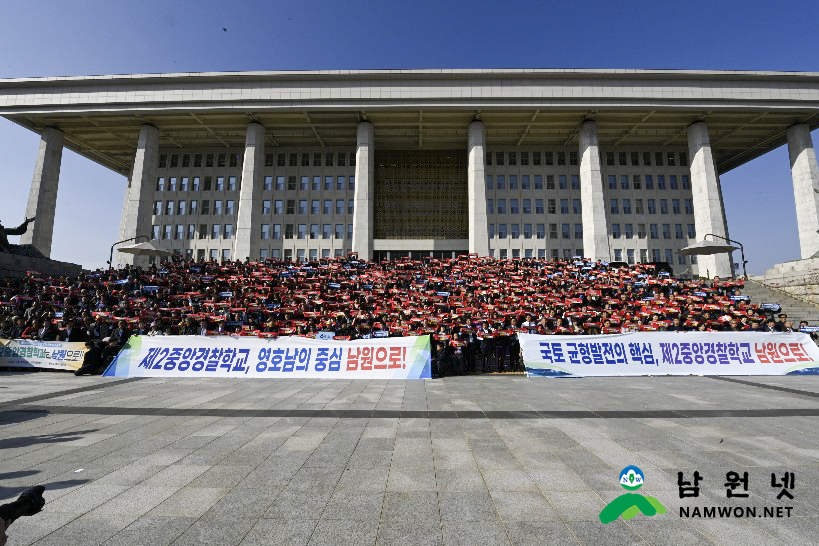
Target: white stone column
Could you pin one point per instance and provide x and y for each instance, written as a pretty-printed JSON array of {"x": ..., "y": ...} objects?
[
  {"x": 246, "y": 244},
  {"x": 709, "y": 215},
  {"x": 137, "y": 210},
  {"x": 595, "y": 230},
  {"x": 476, "y": 189},
  {"x": 805, "y": 175},
  {"x": 42, "y": 197},
  {"x": 364, "y": 191}
]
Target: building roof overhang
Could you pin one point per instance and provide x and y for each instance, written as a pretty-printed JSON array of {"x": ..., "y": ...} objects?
[{"x": 748, "y": 113}]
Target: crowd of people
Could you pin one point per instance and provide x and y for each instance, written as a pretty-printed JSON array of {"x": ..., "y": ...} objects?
[{"x": 472, "y": 307}]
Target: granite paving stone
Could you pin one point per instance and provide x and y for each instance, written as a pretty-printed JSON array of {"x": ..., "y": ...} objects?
[
  {"x": 190, "y": 501},
  {"x": 153, "y": 530},
  {"x": 86, "y": 498},
  {"x": 354, "y": 505},
  {"x": 411, "y": 478},
  {"x": 87, "y": 529},
  {"x": 410, "y": 506},
  {"x": 363, "y": 479},
  {"x": 523, "y": 506},
  {"x": 216, "y": 531},
  {"x": 538, "y": 533},
  {"x": 467, "y": 506},
  {"x": 459, "y": 480},
  {"x": 135, "y": 501},
  {"x": 295, "y": 531},
  {"x": 27, "y": 531},
  {"x": 245, "y": 502},
  {"x": 463, "y": 460},
  {"x": 469, "y": 533},
  {"x": 298, "y": 504},
  {"x": 592, "y": 533},
  {"x": 339, "y": 532}
]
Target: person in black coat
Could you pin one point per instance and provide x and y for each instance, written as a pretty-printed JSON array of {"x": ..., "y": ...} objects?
[
  {"x": 92, "y": 362},
  {"x": 770, "y": 326},
  {"x": 73, "y": 332},
  {"x": 121, "y": 333},
  {"x": 110, "y": 351}
]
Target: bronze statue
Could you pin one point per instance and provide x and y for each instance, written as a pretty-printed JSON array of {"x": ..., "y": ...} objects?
[{"x": 5, "y": 246}]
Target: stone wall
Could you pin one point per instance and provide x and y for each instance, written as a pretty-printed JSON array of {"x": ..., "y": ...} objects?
[
  {"x": 13, "y": 265},
  {"x": 799, "y": 278}
]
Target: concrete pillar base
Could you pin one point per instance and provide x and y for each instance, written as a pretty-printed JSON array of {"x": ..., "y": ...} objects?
[
  {"x": 805, "y": 175},
  {"x": 247, "y": 219},
  {"x": 136, "y": 211},
  {"x": 595, "y": 228},
  {"x": 709, "y": 213},
  {"x": 476, "y": 188},
  {"x": 363, "y": 228},
  {"x": 42, "y": 197}
]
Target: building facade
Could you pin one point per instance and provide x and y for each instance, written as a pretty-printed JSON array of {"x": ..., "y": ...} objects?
[{"x": 617, "y": 165}]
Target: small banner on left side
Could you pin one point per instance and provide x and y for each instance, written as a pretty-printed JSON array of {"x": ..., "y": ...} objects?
[
  {"x": 55, "y": 355},
  {"x": 236, "y": 356}
]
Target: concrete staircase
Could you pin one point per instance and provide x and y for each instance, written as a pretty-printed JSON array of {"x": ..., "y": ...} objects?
[{"x": 795, "y": 308}]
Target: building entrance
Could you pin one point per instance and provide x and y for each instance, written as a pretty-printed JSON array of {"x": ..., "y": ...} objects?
[
  {"x": 382, "y": 255},
  {"x": 421, "y": 194}
]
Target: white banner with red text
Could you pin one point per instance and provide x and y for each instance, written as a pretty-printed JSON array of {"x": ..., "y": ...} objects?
[
  {"x": 240, "y": 356},
  {"x": 670, "y": 353},
  {"x": 55, "y": 355}
]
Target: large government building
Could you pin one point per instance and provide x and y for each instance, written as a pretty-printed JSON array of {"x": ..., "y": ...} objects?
[{"x": 615, "y": 165}]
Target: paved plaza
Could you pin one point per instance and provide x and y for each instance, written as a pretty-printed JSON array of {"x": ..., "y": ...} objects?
[{"x": 458, "y": 461}]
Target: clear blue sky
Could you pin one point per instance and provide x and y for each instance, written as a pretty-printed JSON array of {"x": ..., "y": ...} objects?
[{"x": 55, "y": 38}]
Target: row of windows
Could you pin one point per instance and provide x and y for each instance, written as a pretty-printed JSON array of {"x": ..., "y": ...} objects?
[
  {"x": 274, "y": 231},
  {"x": 327, "y": 208},
  {"x": 178, "y": 232},
  {"x": 340, "y": 183},
  {"x": 230, "y": 183},
  {"x": 183, "y": 207},
  {"x": 343, "y": 159},
  {"x": 628, "y": 232},
  {"x": 181, "y": 232},
  {"x": 310, "y": 159},
  {"x": 215, "y": 254},
  {"x": 651, "y": 206},
  {"x": 551, "y": 208},
  {"x": 196, "y": 160},
  {"x": 281, "y": 159},
  {"x": 545, "y": 158},
  {"x": 634, "y": 159},
  {"x": 539, "y": 233},
  {"x": 500, "y": 182},
  {"x": 554, "y": 253},
  {"x": 636, "y": 182},
  {"x": 301, "y": 253},
  {"x": 566, "y": 231},
  {"x": 196, "y": 184},
  {"x": 657, "y": 255},
  {"x": 514, "y": 207},
  {"x": 576, "y": 206}
]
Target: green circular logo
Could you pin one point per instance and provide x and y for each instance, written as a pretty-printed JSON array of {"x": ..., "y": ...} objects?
[{"x": 631, "y": 478}]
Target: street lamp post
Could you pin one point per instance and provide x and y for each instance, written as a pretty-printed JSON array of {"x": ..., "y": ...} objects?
[
  {"x": 741, "y": 250},
  {"x": 111, "y": 255}
]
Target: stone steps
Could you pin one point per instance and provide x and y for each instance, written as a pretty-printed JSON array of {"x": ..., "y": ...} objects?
[{"x": 795, "y": 308}]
